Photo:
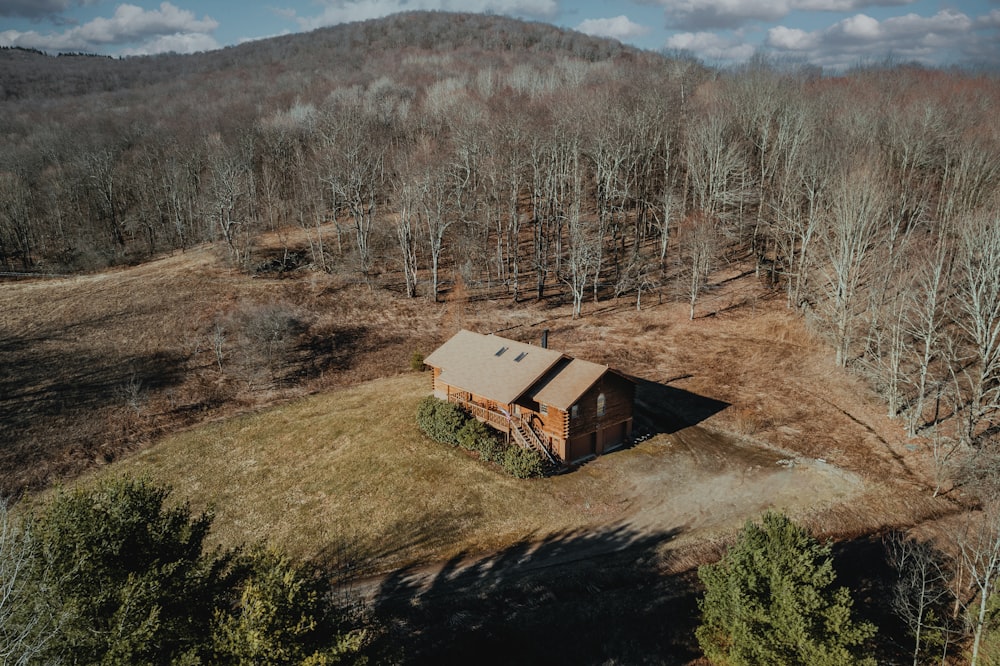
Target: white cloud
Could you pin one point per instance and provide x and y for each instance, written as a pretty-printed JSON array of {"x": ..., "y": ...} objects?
[
  {"x": 948, "y": 36},
  {"x": 619, "y": 27},
  {"x": 791, "y": 39},
  {"x": 185, "y": 42},
  {"x": 167, "y": 28},
  {"x": 345, "y": 11},
  {"x": 991, "y": 20},
  {"x": 712, "y": 47},
  {"x": 703, "y": 14},
  {"x": 860, "y": 28}
]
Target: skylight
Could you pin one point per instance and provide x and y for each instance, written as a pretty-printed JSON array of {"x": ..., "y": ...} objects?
[
  {"x": 520, "y": 357},
  {"x": 501, "y": 351}
]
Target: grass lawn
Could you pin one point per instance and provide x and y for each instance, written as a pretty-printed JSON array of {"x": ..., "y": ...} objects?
[{"x": 349, "y": 469}]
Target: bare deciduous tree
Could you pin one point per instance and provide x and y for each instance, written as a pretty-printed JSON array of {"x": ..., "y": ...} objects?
[
  {"x": 979, "y": 559},
  {"x": 27, "y": 621},
  {"x": 852, "y": 223},
  {"x": 921, "y": 594},
  {"x": 699, "y": 243},
  {"x": 978, "y": 299}
]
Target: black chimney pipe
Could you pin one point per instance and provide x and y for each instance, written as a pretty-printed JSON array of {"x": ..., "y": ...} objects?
[{"x": 545, "y": 339}]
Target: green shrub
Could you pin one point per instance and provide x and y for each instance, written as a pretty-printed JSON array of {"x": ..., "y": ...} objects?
[
  {"x": 446, "y": 423},
  {"x": 491, "y": 449},
  {"x": 417, "y": 362},
  {"x": 522, "y": 463},
  {"x": 441, "y": 421},
  {"x": 280, "y": 615},
  {"x": 470, "y": 434},
  {"x": 478, "y": 437}
]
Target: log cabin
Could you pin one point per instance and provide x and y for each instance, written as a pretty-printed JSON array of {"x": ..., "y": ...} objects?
[{"x": 565, "y": 407}]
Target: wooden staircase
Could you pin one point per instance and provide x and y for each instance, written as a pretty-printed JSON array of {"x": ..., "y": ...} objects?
[
  {"x": 521, "y": 431},
  {"x": 526, "y": 436}
]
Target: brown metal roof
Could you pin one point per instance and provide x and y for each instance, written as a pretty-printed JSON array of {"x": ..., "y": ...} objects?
[
  {"x": 474, "y": 362},
  {"x": 564, "y": 385}
]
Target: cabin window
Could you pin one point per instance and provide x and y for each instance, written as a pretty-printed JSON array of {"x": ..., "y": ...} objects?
[
  {"x": 601, "y": 404},
  {"x": 574, "y": 411},
  {"x": 543, "y": 409}
]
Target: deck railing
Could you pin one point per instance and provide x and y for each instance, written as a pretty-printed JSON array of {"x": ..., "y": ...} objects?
[
  {"x": 491, "y": 417},
  {"x": 516, "y": 426}
]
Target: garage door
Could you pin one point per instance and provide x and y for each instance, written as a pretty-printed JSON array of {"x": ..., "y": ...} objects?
[
  {"x": 613, "y": 435},
  {"x": 582, "y": 446}
]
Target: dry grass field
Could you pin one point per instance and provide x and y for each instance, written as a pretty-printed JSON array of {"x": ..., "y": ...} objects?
[{"x": 117, "y": 372}]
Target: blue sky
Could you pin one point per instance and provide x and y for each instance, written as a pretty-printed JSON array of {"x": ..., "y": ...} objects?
[{"x": 834, "y": 34}]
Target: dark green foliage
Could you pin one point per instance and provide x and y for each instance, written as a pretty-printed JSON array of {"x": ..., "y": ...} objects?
[
  {"x": 417, "y": 362},
  {"x": 522, "y": 463},
  {"x": 490, "y": 449},
  {"x": 477, "y": 436},
  {"x": 130, "y": 581},
  {"x": 129, "y": 572},
  {"x": 281, "y": 615},
  {"x": 771, "y": 602},
  {"x": 447, "y": 423},
  {"x": 440, "y": 420}
]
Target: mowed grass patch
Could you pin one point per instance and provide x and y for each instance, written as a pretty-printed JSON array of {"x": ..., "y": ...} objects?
[{"x": 349, "y": 472}]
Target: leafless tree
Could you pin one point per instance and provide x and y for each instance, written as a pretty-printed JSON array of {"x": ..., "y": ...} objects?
[
  {"x": 925, "y": 321},
  {"x": 230, "y": 206},
  {"x": 699, "y": 243},
  {"x": 716, "y": 166},
  {"x": 921, "y": 594},
  {"x": 978, "y": 303},
  {"x": 17, "y": 236},
  {"x": 979, "y": 559},
  {"x": 856, "y": 210},
  {"x": 582, "y": 259},
  {"x": 27, "y": 621},
  {"x": 407, "y": 221},
  {"x": 355, "y": 169}
]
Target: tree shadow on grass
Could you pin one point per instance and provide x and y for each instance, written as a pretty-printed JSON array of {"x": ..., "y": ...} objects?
[
  {"x": 52, "y": 404},
  {"x": 665, "y": 409},
  {"x": 332, "y": 351},
  {"x": 863, "y": 567},
  {"x": 573, "y": 598}
]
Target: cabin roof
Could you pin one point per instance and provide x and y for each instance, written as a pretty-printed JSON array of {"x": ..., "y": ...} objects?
[
  {"x": 492, "y": 366},
  {"x": 566, "y": 382}
]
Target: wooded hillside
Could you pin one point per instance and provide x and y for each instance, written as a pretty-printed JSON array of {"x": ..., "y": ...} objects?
[{"x": 521, "y": 160}]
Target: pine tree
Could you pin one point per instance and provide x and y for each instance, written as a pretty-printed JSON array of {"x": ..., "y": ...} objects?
[{"x": 771, "y": 601}]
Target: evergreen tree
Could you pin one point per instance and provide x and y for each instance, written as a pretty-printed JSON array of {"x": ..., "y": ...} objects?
[
  {"x": 128, "y": 572},
  {"x": 126, "y": 579},
  {"x": 771, "y": 602},
  {"x": 282, "y": 616}
]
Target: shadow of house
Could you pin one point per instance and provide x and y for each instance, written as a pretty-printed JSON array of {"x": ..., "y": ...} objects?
[
  {"x": 662, "y": 409},
  {"x": 575, "y": 598}
]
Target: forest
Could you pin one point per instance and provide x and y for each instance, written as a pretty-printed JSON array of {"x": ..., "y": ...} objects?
[
  {"x": 539, "y": 162},
  {"x": 431, "y": 154}
]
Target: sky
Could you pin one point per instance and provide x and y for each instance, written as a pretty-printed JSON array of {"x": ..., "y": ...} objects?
[{"x": 834, "y": 34}]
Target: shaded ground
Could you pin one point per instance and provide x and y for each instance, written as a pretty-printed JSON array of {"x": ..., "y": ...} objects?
[
  {"x": 746, "y": 410},
  {"x": 580, "y": 598},
  {"x": 93, "y": 367}
]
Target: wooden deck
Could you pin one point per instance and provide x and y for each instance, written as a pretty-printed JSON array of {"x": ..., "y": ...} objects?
[
  {"x": 490, "y": 417},
  {"x": 520, "y": 429}
]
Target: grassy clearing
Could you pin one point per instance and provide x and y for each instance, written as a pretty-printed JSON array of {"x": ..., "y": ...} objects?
[{"x": 349, "y": 468}]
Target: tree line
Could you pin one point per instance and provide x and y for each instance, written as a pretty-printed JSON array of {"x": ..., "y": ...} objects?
[{"x": 547, "y": 164}]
